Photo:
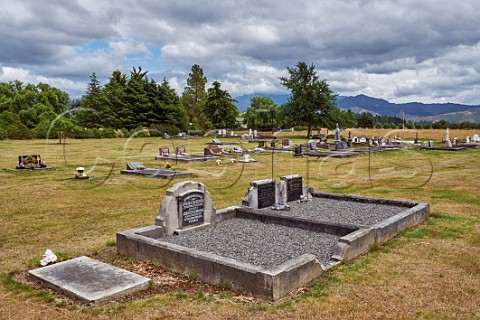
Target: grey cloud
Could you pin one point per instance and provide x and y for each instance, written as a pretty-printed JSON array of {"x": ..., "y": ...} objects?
[{"x": 384, "y": 47}]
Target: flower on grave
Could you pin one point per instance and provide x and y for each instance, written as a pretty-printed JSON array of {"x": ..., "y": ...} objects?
[
  {"x": 168, "y": 165},
  {"x": 48, "y": 257},
  {"x": 218, "y": 162}
]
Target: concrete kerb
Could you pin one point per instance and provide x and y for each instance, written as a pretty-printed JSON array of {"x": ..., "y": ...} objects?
[
  {"x": 276, "y": 282},
  {"x": 270, "y": 284}
]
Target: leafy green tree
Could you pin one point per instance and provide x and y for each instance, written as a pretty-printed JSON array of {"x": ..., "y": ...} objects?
[
  {"x": 220, "y": 108},
  {"x": 365, "y": 120},
  {"x": 263, "y": 114},
  {"x": 194, "y": 97},
  {"x": 90, "y": 113},
  {"x": 115, "y": 109},
  {"x": 311, "y": 101},
  {"x": 345, "y": 119}
]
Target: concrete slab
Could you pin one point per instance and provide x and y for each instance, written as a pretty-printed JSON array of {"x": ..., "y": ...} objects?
[{"x": 89, "y": 280}]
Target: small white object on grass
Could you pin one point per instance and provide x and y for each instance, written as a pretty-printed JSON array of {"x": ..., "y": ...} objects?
[{"x": 48, "y": 257}]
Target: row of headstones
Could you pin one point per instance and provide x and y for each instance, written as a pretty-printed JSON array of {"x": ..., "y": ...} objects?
[
  {"x": 475, "y": 138},
  {"x": 267, "y": 193},
  {"x": 179, "y": 151},
  {"x": 188, "y": 204}
]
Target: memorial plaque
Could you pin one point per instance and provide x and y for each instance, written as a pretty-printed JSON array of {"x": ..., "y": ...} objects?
[
  {"x": 180, "y": 150},
  {"x": 164, "y": 151},
  {"x": 191, "y": 207},
  {"x": 294, "y": 189},
  {"x": 266, "y": 195}
]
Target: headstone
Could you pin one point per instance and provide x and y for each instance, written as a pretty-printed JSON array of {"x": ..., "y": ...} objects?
[
  {"x": 476, "y": 138},
  {"x": 337, "y": 133},
  {"x": 164, "y": 151},
  {"x": 430, "y": 143},
  {"x": 388, "y": 141},
  {"x": 272, "y": 144},
  {"x": 261, "y": 144},
  {"x": 166, "y": 136},
  {"x": 31, "y": 161},
  {"x": 232, "y": 134},
  {"x": 216, "y": 141},
  {"x": 260, "y": 194},
  {"x": 355, "y": 139},
  {"x": 224, "y": 132},
  {"x": 266, "y": 195},
  {"x": 180, "y": 150},
  {"x": 186, "y": 205},
  {"x": 191, "y": 209},
  {"x": 89, "y": 280},
  {"x": 363, "y": 140},
  {"x": 285, "y": 142},
  {"x": 298, "y": 151},
  {"x": 449, "y": 143},
  {"x": 250, "y": 133},
  {"x": 290, "y": 188},
  {"x": 255, "y": 134},
  {"x": 455, "y": 141},
  {"x": 312, "y": 145},
  {"x": 135, "y": 166}
]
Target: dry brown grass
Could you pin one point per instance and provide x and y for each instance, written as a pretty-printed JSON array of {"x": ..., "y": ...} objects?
[{"x": 431, "y": 272}]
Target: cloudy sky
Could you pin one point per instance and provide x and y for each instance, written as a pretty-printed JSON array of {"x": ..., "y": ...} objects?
[{"x": 400, "y": 50}]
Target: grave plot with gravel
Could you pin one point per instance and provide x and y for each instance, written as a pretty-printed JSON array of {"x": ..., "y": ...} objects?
[
  {"x": 258, "y": 243},
  {"x": 341, "y": 211}
]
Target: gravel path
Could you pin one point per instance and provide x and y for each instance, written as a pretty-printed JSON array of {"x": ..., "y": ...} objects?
[
  {"x": 342, "y": 211},
  {"x": 258, "y": 243}
]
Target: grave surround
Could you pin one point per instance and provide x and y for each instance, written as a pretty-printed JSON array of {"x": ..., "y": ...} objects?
[{"x": 270, "y": 283}]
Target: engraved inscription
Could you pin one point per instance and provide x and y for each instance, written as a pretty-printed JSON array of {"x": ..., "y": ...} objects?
[
  {"x": 266, "y": 195},
  {"x": 294, "y": 189},
  {"x": 192, "y": 209}
]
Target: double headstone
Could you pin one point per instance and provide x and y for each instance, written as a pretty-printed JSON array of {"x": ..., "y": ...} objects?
[{"x": 266, "y": 193}]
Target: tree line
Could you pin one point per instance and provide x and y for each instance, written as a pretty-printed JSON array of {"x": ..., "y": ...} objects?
[{"x": 136, "y": 104}]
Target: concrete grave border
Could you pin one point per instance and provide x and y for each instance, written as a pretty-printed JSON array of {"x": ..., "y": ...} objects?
[{"x": 268, "y": 283}]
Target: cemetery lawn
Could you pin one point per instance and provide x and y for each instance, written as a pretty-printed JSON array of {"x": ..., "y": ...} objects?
[{"x": 428, "y": 272}]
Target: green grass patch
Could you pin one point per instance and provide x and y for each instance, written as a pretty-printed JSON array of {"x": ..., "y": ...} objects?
[
  {"x": 11, "y": 284},
  {"x": 443, "y": 226},
  {"x": 181, "y": 295},
  {"x": 319, "y": 288},
  {"x": 110, "y": 243},
  {"x": 459, "y": 196}
]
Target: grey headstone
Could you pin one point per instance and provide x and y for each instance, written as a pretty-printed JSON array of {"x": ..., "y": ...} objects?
[{"x": 89, "y": 280}]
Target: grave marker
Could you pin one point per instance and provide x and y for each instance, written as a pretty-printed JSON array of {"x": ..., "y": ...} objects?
[
  {"x": 191, "y": 208},
  {"x": 260, "y": 194},
  {"x": 180, "y": 150},
  {"x": 290, "y": 188},
  {"x": 164, "y": 151},
  {"x": 186, "y": 206},
  {"x": 266, "y": 195}
]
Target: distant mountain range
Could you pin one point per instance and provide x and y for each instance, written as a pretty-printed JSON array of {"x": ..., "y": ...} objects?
[{"x": 415, "y": 111}]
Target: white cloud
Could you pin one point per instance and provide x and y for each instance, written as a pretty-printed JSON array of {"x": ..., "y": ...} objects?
[{"x": 393, "y": 49}]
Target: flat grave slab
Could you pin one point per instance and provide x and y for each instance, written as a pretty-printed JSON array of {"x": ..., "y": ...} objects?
[
  {"x": 89, "y": 280},
  {"x": 188, "y": 158},
  {"x": 158, "y": 173}
]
